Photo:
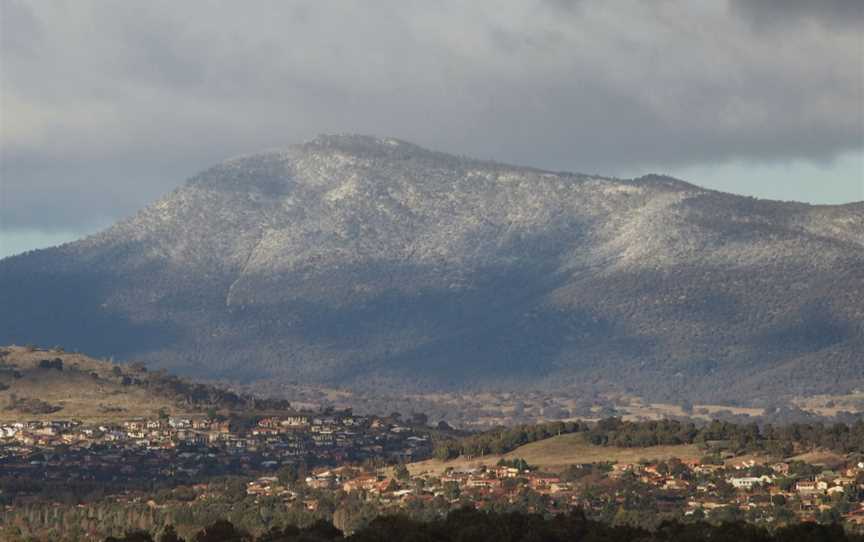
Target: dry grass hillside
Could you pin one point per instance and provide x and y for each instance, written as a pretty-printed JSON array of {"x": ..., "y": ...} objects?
[
  {"x": 36, "y": 386},
  {"x": 557, "y": 452},
  {"x": 832, "y": 405}
]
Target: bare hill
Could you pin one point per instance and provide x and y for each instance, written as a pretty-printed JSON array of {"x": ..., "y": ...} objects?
[{"x": 39, "y": 384}]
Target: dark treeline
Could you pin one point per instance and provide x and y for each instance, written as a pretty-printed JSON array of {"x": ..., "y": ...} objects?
[
  {"x": 838, "y": 437},
  {"x": 192, "y": 394},
  {"x": 504, "y": 439},
  {"x": 476, "y": 526},
  {"x": 785, "y": 440}
]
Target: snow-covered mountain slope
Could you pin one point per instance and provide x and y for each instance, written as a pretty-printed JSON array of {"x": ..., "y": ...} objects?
[{"x": 364, "y": 261}]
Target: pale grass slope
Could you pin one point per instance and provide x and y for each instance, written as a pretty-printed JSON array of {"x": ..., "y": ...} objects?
[
  {"x": 82, "y": 396},
  {"x": 558, "y": 452}
]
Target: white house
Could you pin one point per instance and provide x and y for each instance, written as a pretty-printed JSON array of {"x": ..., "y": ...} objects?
[{"x": 748, "y": 482}]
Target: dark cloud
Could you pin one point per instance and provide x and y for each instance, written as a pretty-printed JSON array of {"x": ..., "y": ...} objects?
[
  {"x": 107, "y": 105},
  {"x": 782, "y": 12}
]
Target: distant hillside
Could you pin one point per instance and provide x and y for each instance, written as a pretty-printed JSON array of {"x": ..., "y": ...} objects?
[
  {"x": 555, "y": 453},
  {"x": 376, "y": 264},
  {"x": 40, "y": 384}
]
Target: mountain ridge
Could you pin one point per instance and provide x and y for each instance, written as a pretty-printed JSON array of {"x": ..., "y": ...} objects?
[{"x": 370, "y": 261}]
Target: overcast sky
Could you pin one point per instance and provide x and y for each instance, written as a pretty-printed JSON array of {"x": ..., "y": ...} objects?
[{"x": 108, "y": 105}]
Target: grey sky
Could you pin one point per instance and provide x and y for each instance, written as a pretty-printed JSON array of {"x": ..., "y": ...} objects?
[{"x": 107, "y": 105}]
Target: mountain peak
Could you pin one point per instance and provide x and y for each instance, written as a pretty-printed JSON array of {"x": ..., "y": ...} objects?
[
  {"x": 369, "y": 146},
  {"x": 355, "y": 260},
  {"x": 271, "y": 171},
  {"x": 357, "y": 141}
]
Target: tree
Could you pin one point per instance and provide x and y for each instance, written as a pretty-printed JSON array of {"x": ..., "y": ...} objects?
[
  {"x": 786, "y": 484},
  {"x": 55, "y": 363},
  {"x": 419, "y": 419},
  {"x": 829, "y": 516},
  {"x": 784, "y": 515},
  {"x": 169, "y": 534},
  {"x": 235, "y": 489},
  {"x": 509, "y": 484},
  {"x": 445, "y": 451},
  {"x": 184, "y": 494},
  {"x": 222, "y": 531},
  {"x": 287, "y": 475},
  {"x": 132, "y": 536},
  {"x": 452, "y": 491},
  {"x": 727, "y": 514},
  {"x": 419, "y": 484},
  {"x": 275, "y": 534},
  {"x": 402, "y": 473}
]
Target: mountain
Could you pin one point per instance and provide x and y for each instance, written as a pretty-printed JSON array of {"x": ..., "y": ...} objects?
[{"x": 366, "y": 262}]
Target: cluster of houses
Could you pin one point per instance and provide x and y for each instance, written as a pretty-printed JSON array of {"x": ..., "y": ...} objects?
[
  {"x": 191, "y": 447},
  {"x": 690, "y": 488},
  {"x": 760, "y": 486},
  {"x": 333, "y": 445}
]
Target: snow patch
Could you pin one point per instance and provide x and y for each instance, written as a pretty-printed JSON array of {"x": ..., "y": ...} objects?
[
  {"x": 611, "y": 189},
  {"x": 345, "y": 190},
  {"x": 509, "y": 177}
]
